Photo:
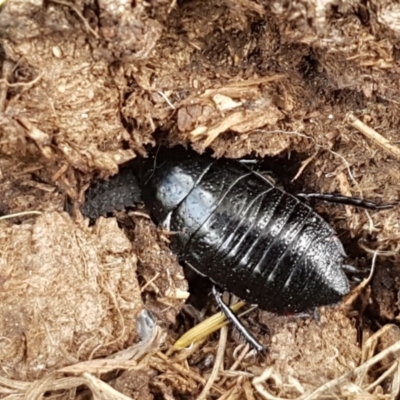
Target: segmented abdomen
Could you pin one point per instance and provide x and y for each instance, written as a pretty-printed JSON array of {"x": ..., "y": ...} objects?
[{"x": 249, "y": 237}]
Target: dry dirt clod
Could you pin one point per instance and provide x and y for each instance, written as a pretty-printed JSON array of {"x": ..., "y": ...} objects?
[{"x": 89, "y": 274}]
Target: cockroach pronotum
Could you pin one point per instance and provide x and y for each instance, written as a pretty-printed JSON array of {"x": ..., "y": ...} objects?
[{"x": 246, "y": 235}]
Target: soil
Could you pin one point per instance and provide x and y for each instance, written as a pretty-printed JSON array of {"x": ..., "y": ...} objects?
[{"x": 88, "y": 85}]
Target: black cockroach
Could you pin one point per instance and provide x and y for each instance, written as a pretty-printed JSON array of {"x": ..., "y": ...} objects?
[{"x": 246, "y": 235}]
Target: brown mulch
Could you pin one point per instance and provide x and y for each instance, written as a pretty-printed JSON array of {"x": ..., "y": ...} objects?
[{"x": 88, "y": 85}]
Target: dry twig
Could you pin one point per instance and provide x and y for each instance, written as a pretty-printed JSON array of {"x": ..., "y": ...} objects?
[{"x": 372, "y": 134}]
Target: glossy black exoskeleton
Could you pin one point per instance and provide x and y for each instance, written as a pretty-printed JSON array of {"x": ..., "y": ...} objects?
[{"x": 249, "y": 237}]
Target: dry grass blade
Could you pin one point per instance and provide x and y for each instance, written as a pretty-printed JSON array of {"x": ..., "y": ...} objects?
[
  {"x": 156, "y": 364},
  {"x": 391, "y": 350},
  {"x": 386, "y": 253},
  {"x": 218, "y": 365},
  {"x": 189, "y": 351},
  {"x": 370, "y": 345},
  {"x": 100, "y": 366},
  {"x": 237, "y": 362},
  {"x": 20, "y": 214},
  {"x": 227, "y": 395},
  {"x": 342, "y": 380},
  {"x": 270, "y": 375},
  {"x": 102, "y": 390},
  {"x": 205, "y": 328},
  {"x": 7, "y": 384},
  {"x": 394, "y": 367},
  {"x": 38, "y": 389},
  {"x": 369, "y": 348},
  {"x": 396, "y": 384}
]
